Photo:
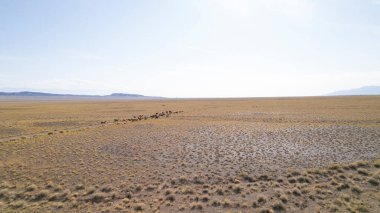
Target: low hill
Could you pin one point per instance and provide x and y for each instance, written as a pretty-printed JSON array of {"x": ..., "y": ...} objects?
[
  {"x": 367, "y": 90},
  {"x": 53, "y": 95}
]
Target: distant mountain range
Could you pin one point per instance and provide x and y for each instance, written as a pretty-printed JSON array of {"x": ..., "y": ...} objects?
[
  {"x": 367, "y": 90},
  {"x": 53, "y": 95}
]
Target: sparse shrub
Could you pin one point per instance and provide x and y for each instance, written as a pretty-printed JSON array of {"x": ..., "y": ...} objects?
[
  {"x": 216, "y": 203},
  {"x": 362, "y": 172},
  {"x": 97, "y": 197},
  {"x": 170, "y": 198},
  {"x": 198, "y": 180},
  {"x": 17, "y": 204},
  {"x": 150, "y": 188},
  {"x": 106, "y": 189},
  {"x": 58, "y": 205},
  {"x": 53, "y": 197},
  {"x": 58, "y": 188},
  {"x": 41, "y": 195},
  {"x": 303, "y": 179},
  {"x": 196, "y": 206},
  {"x": 237, "y": 189},
  {"x": 261, "y": 200},
  {"x": 342, "y": 186},
  {"x": 125, "y": 200},
  {"x": 280, "y": 180},
  {"x": 138, "y": 188},
  {"x": 226, "y": 203},
  {"x": 247, "y": 177},
  {"x": 334, "y": 167},
  {"x": 362, "y": 164},
  {"x": 205, "y": 198},
  {"x": 188, "y": 191},
  {"x": 219, "y": 191},
  {"x": 373, "y": 182},
  {"x": 278, "y": 207},
  {"x": 128, "y": 195},
  {"x": 90, "y": 191},
  {"x": 183, "y": 180},
  {"x": 296, "y": 192},
  {"x": 284, "y": 198},
  {"x": 377, "y": 163},
  {"x": 254, "y": 204},
  {"x": 31, "y": 187},
  {"x": 356, "y": 189},
  {"x": 79, "y": 187},
  {"x": 244, "y": 205},
  {"x": 333, "y": 208},
  {"x": 181, "y": 207},
  {"x": 168, "y": 192},
  {"x": 264, "y": 177},
  {"x": 139, "y": 207},
  {"x": 362, "y": 209},
  {"x": 294, "y": 173},
  {"x": 265, "y": 210},
  {"x": 346, "y": 197},
  {"x": 292, "y": 180}
]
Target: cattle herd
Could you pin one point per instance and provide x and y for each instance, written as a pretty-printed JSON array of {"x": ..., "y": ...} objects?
[{"x": 146, "y": 117}]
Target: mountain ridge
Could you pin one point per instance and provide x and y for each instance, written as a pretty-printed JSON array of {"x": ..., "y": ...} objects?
[
  {"x": 45, "y": 94},
  {"x": 365, "y": 90}
]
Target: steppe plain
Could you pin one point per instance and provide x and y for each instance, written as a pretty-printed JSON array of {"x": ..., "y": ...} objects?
[{"x": 317, "y": 154}]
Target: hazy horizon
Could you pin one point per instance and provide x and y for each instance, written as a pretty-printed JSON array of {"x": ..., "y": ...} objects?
[{"x": 185, "y": 49}]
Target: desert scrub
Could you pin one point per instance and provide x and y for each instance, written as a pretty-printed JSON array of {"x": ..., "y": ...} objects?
[
  {"x": 90, "y": 190},
  {"x": 106, "y": 188},
  {"x": 373, "y": 182},
  {"x": 265, "y": 210},
  {"x": 237, "y": 189},
  {"x": 226, "y": 203},
  {"x": 219, "y": 191},
  {"x": 284, "y": 198},
  {"x": 292, "y": 180},
  {"x": 247, "y": 177},
  {"x": 183, "y": 180},
  {"x": 170, "y": 197},
  {"x": 216, "y": 203},
  {"x": 356, "y": 189},
  {"x": 296, "y": 192},
  {"x": 41, "y": 195},
  {"x": 204, "y": 198},
  {"x": 79, "y": 187},
  {"x": 261, "y": 200},
  {"x": 196, "y": 206},
  {"x": 362, "y": 209},
  {"x": 31, "y": 187},
  {"x": 342, "y": 186},
  {"x": 139, "y": 207},
  {"x": 97, "y": 197},
  {"x": 362, "y": 172},
  {"x": 278, "y": 207},
  {"x": 169, "y": 191},
  {"x": 376, "y": 163},
  {"x": 150, "y": 188},
  {"x": 18, "y": 204},
  {"x": 188, "y": 191}
]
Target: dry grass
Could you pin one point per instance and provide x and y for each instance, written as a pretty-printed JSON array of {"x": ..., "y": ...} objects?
[{"x": 249, "y": 155}]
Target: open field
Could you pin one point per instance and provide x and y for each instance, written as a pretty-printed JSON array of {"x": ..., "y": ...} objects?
[{"x": 317, "y": 154}]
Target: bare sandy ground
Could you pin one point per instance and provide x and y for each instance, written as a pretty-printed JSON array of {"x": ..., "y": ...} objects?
[{"x": 223, "y": 155}]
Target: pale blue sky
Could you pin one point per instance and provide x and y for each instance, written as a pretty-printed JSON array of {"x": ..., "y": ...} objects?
[{"x": 183, "y": 48}]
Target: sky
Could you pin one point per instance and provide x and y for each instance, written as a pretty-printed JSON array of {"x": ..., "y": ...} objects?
[{"x": 183, "y": 48}]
